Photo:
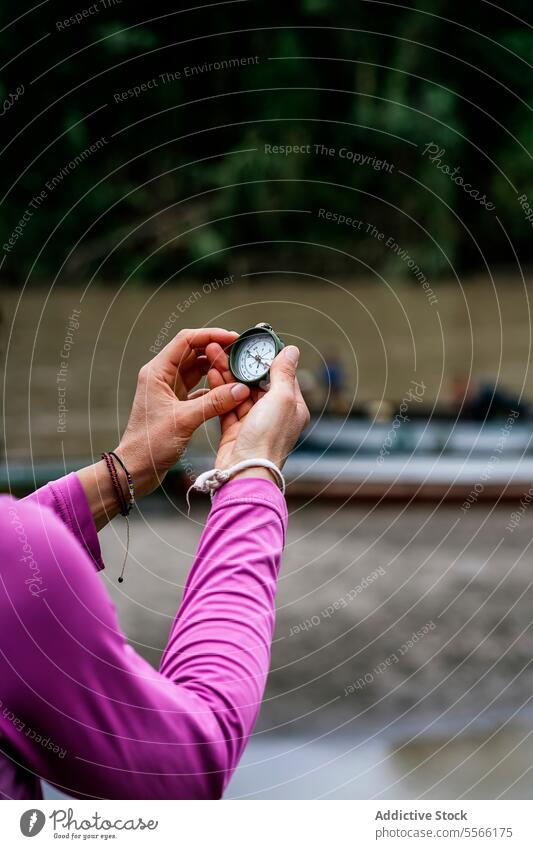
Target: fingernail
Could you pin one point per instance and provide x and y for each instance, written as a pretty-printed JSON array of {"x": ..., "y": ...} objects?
[
  {"x": 239, "y": 391},
  {"x": 293, "y": 354}
]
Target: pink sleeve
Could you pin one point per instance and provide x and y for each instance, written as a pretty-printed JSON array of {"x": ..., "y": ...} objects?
[
  {"x": 219, "y": 645},
  {"x": 66, "y": 498},
  {"x": 81, "y": 709}
]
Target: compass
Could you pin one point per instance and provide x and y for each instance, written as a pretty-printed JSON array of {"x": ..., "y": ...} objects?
[{"x": 253, "y": 352}]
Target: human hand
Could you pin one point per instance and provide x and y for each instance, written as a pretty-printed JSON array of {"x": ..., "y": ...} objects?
[
  {"x": 165, "y": 412},
  {"x": 267, "y": 424}
]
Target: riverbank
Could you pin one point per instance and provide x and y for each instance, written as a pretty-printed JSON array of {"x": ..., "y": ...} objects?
[
  {"x": 402, "y": 650},
  {"x": 387, "y": 335}
]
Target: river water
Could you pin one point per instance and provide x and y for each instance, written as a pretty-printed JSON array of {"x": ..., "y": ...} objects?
[{"x": 384, "y": 335}]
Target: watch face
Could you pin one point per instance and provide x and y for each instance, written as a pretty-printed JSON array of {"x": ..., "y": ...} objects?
[{"x": 253, "y": 357}]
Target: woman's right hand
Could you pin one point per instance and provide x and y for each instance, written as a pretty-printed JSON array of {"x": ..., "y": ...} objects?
[{"x": 268, "y": 424}]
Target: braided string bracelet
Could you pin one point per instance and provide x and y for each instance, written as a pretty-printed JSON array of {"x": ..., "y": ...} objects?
[
  {"x": 124, "y": 506},
  {"x": 119, "y": 494},
  {"x": 131, "y": 487},
  {"x": 213, "y": 479}
]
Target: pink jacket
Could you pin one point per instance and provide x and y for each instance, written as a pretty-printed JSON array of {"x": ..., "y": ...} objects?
[{"x": 78, "y": 707}]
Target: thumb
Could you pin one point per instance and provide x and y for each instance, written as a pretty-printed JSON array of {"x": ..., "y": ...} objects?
[
  {"x": 216, "y": 402},
  {"x": 283, "y": 368}
]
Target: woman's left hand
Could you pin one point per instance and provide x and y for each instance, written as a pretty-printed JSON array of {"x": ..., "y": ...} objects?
[{"x": 165, "y": 413}]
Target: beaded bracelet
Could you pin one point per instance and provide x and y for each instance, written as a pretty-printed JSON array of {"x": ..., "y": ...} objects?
[
  {"x": 119, "y": 494},
  {"x": 124, "y": 506},
  {"x": 131, "y": 487}
]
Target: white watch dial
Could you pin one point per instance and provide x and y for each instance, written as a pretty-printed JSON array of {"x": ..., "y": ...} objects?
[{"x": 255, "y": 356}]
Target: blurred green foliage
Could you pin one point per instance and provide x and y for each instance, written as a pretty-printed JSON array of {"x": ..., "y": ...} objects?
[{"x": 182, "y": 183}]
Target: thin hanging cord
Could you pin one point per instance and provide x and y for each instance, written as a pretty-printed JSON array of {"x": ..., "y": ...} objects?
[
  {"x": 125, "y": 507},
  {"x": 121, "y": 576},
  {"x": 129, "y": 480}
]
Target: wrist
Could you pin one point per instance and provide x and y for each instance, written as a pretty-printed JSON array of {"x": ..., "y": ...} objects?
[
  {"x": 256, "y": 472},
  {"x": 99, "y": 491},
  {"x": 145, "y": 479},
  {"x": 239, "y": 456}
]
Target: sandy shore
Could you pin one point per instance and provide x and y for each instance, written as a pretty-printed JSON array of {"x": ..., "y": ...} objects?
[
  {"x": 449, "y": 719},
  {"x": 412, "y": 614}
]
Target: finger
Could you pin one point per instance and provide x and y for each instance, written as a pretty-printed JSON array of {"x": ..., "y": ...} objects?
[
  {"x": 204, "y": 336},
  {"x": 243, "y": 409},
  {"x": 185, "y": 348},
  {"x": 192, "y": 376},
  {"x": 297, "y": 390},
  {"x": 283, "y": 368},
  {"x": 218, "y": 359},
  {"x": 301, "y": 402},
  {"x": 217, "y": 402},
  {"x": 197, "y": 393},
  {"x": 203, "y": 364},
  {"x": 215, "y": 379}
]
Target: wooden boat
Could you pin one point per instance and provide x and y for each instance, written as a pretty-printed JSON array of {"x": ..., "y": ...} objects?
[{"x": 354, "y": 458}]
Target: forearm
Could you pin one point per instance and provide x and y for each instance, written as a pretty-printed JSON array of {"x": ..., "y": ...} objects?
[
  {"x": 219, "y": 646},
  {"x": 99, "y": 492}
]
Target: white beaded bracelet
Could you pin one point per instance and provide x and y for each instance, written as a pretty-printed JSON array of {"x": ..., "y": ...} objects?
[{"x": 212, "y": 480}]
